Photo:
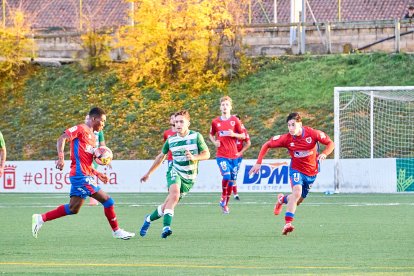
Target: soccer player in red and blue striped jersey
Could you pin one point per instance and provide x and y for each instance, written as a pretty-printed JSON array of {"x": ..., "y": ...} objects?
[
  {"x": 82, "y": 142},
  {"x": 302, "y": 143}
]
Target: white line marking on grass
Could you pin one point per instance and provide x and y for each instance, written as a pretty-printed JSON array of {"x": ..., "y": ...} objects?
[{"x": 203, "y": 266}]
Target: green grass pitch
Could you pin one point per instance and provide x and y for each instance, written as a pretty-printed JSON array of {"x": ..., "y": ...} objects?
[{"x": 349, "y": 234}]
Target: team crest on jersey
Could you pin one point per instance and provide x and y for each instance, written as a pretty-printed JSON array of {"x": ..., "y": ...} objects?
[
  {"x": 308, "y": 140},
  {"x": 232, "y": 123},
  {"x": 276, "y": 137},
  {"x": 218, "y": 124}
]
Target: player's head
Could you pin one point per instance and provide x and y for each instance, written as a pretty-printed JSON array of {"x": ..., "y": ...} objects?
[
  {"x": 226, "y": 104},
  {"x": 294, "y": 122},
  {"x": 97, "y": 118},
  {"x": 172, "y": 120},
  {"x": 182, "y": 121}
]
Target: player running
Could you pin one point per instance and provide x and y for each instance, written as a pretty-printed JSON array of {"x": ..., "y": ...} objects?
[
  {"x": 167, "y": 134},
  {"x": 242, "y": 146},
  {"x": 82, "y": 143},
  {"x": 302, "y": 144},
  {"x": 224, "y": 132},
  {"x": 187, "y": 148}
]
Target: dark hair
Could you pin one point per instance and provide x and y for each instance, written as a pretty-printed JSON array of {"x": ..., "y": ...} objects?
[
  {"x": 96, "y": 112},
  {"x": 294, "y": 116},
  {"x": 183, "y": 113},
  {"x": 237, "y": 116}
]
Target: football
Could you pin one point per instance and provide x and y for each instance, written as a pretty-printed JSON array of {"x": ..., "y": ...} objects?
[{"x": 103, "y": 155}]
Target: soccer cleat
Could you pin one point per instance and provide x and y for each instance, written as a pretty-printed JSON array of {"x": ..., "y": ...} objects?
[
  {"x": 287, "y": 228},
  {"x": 37, "y": 223},
  {"x": 166, "y": 231},
  {"x": 122, "y": 234},
  {"x": 279, "y": 204},
  {"x": 226, "y": 210},
  {"x": 145, "y": 227},
  {"x": 236, "y": 197}
]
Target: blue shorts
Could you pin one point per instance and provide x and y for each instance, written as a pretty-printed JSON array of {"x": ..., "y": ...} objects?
[
  {"x": 298, "y": 178},
  {"x": 228, "y": 167},
  {"x": 83, "y": 186}
]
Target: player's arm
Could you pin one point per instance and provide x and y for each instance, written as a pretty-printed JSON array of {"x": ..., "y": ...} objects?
[
  {"x": 330, "y": 145},
  {"x": 246, "y": 146},
  {"x": 101, "y": 139},
  {"x": 203, "y": 149},
  {"x": 157, "y": 162},
  {"x": 103, "y": 177},
  {"x": 262, "y": 154},
  {"x": 60, "y": 150},
  {"x": 212, "y": 136},
  {"x": 3, "y": 154},
  {"x": 238, "y": 133}
]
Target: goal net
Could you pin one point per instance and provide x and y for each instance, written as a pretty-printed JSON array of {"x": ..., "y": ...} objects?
[{"x": 374, "y": 139}]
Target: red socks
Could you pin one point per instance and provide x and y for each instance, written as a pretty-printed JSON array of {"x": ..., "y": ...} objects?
[
  {"x": 56, "y": 213},
  {"x": 111, "y": 216},
  {"x": 224, "y": 185}
]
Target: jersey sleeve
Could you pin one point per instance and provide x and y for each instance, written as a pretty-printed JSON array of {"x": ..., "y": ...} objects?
[
  {"x": 101, "y": 137},
  {"x": 238, "y": 126},
  {"x": 213, "y": 129},
  {"x": 165, "y": 147},
  {"x": 2, "y": 143},
  {"x": 247, "y": 139},
  {"x": 73, "y": 132},
  {"x": 201, "y": 144},
  {"x": 322, "y": 137}
]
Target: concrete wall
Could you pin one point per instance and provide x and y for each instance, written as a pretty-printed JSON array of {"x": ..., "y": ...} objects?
[{"x": 271, "y": 40}]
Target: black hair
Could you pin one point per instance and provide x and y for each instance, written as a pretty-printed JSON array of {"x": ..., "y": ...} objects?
[
  {"x": 96, "y": 112},
  {"x": 294, "y": 116}
]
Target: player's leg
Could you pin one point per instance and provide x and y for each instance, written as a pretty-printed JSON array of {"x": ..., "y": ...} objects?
[
  {"x": 235, "y": 193},
  {"x": 224, "y": 166},
  {"x": 92, "y": 201},
  {"x": 77, "y": 197},
  {"x": 170, "y": 203},
  {"x": 296, "y": 179},
  {"x": 109, "y": 211},
  {"x": 233, "y": 165}
]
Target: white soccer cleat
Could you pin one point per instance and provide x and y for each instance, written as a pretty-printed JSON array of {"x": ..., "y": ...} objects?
[
  {"x": 122, "y": 234},
  {"x": 37, "y": 223}
]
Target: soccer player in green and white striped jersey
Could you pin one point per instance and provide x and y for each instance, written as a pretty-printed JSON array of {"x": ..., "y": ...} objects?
[{"x": 187, "y": 148}]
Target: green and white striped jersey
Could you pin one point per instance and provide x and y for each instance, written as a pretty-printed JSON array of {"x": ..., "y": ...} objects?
[{"x": 193, "y": 142}]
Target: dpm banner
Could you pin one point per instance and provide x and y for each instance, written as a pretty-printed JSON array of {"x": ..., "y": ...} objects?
[{"x": 43, "y": 177}]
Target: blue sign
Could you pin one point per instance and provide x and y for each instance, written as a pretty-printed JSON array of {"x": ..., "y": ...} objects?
[{"x": 273, "y": 175}]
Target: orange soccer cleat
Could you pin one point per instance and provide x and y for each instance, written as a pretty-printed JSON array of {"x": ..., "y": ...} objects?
[
  {"x": 287, "y": 228},
  {"x": 279, "y": 204}
]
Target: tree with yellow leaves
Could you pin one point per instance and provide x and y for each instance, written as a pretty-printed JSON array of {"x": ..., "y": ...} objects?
[
  {"x": 183, "y": 43},
  {"x": 15, "y": 44}
]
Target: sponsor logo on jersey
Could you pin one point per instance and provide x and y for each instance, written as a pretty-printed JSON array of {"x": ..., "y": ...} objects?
[
  {"x": 72, "y": 129},
  {"x": 292, "y": 144},
  {"x": 301, "y": 154}
]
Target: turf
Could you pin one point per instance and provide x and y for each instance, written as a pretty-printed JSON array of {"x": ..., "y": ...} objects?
[{"x": 350, "y": 234}]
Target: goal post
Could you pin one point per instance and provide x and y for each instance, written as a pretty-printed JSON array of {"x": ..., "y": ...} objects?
[{"x": 374, "y": 139}]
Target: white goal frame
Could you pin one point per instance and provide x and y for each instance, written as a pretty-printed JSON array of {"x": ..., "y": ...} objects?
[{"x": 337, "y": 134}]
